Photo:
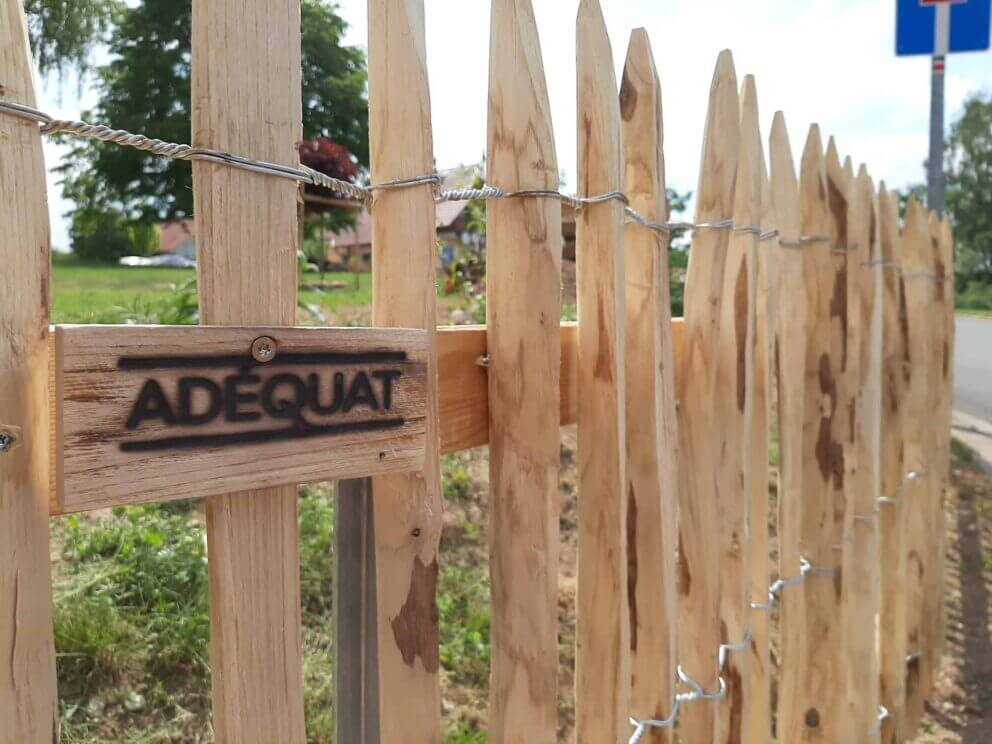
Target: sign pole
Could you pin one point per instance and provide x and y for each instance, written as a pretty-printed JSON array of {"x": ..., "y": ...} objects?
[{"x": 935, "y": 164}]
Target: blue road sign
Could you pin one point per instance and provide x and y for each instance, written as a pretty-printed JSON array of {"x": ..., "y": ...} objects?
[{"x": 939, "y": 27}]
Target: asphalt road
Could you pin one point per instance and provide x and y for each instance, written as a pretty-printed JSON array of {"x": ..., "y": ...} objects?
[{"x": 973, "y": 367}]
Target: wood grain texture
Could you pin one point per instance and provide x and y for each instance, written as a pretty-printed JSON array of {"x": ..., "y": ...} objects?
[
  {"x": 199, "y": 442},
  {"x": 790, "y": 366},
  {"x": 733, "y": 406},
  {"x": 652, "y": 438},
  {"x": 938, "y": 466},
  {"x": 823, "y": 441},
  {"x": 602, "y": 666},
  {"x": 247, "y": 99},
  {"x": 917, "y": 442},
  {"x": 28, "y": 696},
  {"x": 408, "y": 508},
  {"x": 860, "y": 590},
  {"x": 523, "y": 238},
  {"x": 892, "y": 514},
  {"x": 757, "y": 704},
  {"x": 699, "y": 522}
]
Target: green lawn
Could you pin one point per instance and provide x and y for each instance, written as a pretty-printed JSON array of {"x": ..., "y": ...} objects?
[{"x": 102, "y": 293}]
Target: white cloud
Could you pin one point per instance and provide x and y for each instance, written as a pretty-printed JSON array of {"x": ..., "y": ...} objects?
[{"x": 828, "y": 61}]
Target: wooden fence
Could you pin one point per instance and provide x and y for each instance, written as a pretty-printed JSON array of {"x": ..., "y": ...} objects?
[{"x": 815, "y": 353}]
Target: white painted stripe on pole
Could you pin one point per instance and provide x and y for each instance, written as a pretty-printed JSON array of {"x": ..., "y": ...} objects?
[{"x": 942, "y": 29}]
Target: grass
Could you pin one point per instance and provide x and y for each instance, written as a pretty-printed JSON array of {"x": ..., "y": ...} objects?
[{"x": 85, "y": 292}]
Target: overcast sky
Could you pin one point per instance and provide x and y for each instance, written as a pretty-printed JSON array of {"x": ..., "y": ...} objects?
[{"x": 825, "y": 61}]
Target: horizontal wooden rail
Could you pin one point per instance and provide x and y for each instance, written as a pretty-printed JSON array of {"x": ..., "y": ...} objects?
[{"x": 463, "y": 402}]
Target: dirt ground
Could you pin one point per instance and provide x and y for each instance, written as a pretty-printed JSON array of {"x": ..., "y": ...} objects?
[{"x": 961, "y": 709}]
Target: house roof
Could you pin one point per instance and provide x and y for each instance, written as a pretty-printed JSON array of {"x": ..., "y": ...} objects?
[{"x": 175, "y": 234}]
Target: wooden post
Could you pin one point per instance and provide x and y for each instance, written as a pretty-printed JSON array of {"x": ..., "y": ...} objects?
[
  {"x": 28, "y": 696},
  {"x": 757, "y": 704},
  {"x": 860, "y": 590},
  {"x": 602, "y": 675},
  {"x": 917, "y": 422},
  {"x": 790, "y": 364},
  {"x": 247, "y": 99},
  {"x": 523, "y": 308},
  {"x": 652, "y": 439},
  {"x": 732, "y": 409},
  {"x": 407, "y": 507},
  {"x": 823, "y": 447},
  {"x": 356, "y": 681},
  {"x": 893, "y": 509},
  {"x": 699, "y": 522}
]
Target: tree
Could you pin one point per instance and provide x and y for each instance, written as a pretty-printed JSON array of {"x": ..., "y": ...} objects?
[
  {"x": 968, "y": 164},
  {"x": 146, "y": 88},
  {"x": 63, "y": 32}
]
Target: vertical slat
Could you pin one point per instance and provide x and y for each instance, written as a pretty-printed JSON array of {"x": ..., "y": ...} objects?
[
  {"x": 859, "y": 601},
  {"x": 790, "y": 364},
  {"x": 757, "y": 705},
  {"x": 407, "y": 507},
  {"x": 28, "y": 697},
  {"x": 524, "y": 299},
  {"x": 732, "y": 409},
  {"x": 247, "y": 99},
  {"x": 946, "y": 274},
  {"x": 939, "y": 417},
  {"x": 892, "y": 510},
  {"x": 356, "y": 683},
  {"x": 916, "y": 266},
  {"x": 652, "y": 439},
  {"x": 823, "y": 448},
  {"x": 602, "y": 675},
  {"x": 699, "y": 521}
]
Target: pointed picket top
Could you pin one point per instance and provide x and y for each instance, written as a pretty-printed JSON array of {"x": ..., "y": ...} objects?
[
  {"x": 814, "y": 218},
  {"x": 750, "y": 165},
  {"x": 597, "y": 97},
  {"x": 719, "y": 162},
  {"x": 873, "y": 249},
  {"x": 916, "y": 230},
  {"x": 839, "y": 184},
  {"x": 784, "y": 184},
  {"x": 888, "y": 209},
  {"x": 849, "y": 168},
  {"x": 641, "y": 111}
]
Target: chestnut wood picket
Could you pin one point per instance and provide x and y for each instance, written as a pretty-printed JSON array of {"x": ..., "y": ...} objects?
[{"x": 818, "y": 325}]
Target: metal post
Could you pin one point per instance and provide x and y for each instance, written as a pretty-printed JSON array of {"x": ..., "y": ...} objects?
[
  {"x": 935, "y": 164},
  {"x": 356, "y": 688}
]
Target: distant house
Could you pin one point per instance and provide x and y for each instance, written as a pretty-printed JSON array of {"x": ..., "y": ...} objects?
[{"x": 179, "y": 238}]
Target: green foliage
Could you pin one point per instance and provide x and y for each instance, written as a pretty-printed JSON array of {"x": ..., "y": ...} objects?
[
  {"x": 63, "y": 32},
  {"x": 463, "y": 603},
  {"x": 100, "y": 234},
  {"x": 456, "y": 481},
  {"x": 976, "y": 295},
  {"x": 969, "y": 187},
  {"x": 146, "y": 88}
]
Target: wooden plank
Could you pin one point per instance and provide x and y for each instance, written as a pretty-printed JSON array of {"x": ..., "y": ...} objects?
[
  {"x": 247, "y": 99},
  {"x": 917, "y": 266},
  {"x": 823, "y": 446},
  {"x": 652, "y": 438},
  {"x": 938, "y": 466},
  {"x": 523, "y": 240},
  {"x": 892, "y": 511},
  {"x": 699, "y": 552},
  {"x": 407, "y": 507},
  {"x": 757, "y": 704},
  {"x": 158, "y": 413},
  {"x": 463, "y": 396},
  {"x": 356, "y": 683},
  {"x": 28, "y": 696},
  {"x": 860, "y": 590},
  {"x": 602, "y": 665},
  {"x": 733, "y": 406},
  {"x": 790, "y": 365}
]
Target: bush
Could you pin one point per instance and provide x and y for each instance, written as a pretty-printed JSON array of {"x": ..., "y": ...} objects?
[
  {"x": 975, "y": 296},
  {"x": 103, "y": 235}
]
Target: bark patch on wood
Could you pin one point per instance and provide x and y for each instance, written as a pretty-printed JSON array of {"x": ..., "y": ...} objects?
[{"x": 416, "y": 627}]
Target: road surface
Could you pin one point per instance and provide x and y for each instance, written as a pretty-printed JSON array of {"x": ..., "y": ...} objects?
[{"x": 973, "y": 367}]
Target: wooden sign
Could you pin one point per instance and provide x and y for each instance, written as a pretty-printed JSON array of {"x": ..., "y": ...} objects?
[{"x": 158, "y": 413}]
